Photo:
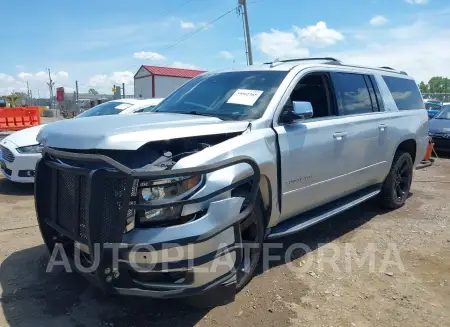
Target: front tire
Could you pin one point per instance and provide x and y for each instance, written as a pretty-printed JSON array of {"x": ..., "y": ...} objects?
[
  {"x": 252, "y": 233},
  {"x": 396, "y": 187}
]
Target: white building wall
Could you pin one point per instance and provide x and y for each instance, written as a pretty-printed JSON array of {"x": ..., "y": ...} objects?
[
  {"x": 164, "y": 85},
  {"x": 143, "y": 84},
  {"x": 143, "y": 87}
]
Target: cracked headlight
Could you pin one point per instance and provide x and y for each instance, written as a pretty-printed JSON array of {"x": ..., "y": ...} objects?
[
  {"x": 165, "y": 190},
  {"x": 37, "y": 148}
]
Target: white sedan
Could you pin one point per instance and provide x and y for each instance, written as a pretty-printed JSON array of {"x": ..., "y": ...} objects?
[{"x": 19, "y": 152}]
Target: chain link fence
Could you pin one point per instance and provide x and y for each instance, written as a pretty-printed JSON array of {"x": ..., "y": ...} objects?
[{"x": 443, "y": 97}]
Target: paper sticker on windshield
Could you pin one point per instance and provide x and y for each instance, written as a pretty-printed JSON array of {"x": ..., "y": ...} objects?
[
  {"x": 245, "y": 97},
  {"x": 122, "y": 106}
]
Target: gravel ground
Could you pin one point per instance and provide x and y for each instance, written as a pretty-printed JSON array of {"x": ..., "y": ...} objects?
[{"x": 405, "y": 280}]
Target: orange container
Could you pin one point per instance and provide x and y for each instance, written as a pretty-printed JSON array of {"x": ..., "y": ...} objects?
[{"x": 15, "y": 119}]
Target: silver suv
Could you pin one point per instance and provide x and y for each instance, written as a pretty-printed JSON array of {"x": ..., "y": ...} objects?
[{"x": 160, "y": 204}]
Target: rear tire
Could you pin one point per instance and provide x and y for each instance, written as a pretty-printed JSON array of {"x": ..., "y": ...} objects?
[{"x": 396, "y": 187}]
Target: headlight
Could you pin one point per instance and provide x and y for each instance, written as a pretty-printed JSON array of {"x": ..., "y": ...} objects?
[
  {"x": 37, "y": 148},
  {"x": 165, "y": 190}
]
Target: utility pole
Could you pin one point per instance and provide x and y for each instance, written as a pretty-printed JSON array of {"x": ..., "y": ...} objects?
[
  {"x": 243, "y": 4},
  {"x": 76, "y": 91},
  {"x": 123, "y": 90},
  {"x": 50, "y": 87},
  {"x": 28, "y": 93}
]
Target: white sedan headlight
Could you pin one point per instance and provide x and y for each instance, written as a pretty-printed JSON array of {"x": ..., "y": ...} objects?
[{"x": 37, "y": 148}]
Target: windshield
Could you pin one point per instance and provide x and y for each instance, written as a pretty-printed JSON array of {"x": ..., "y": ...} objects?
[
  {"x": 444, "y": 114},
  {"x": 104, "y": 109},
  {"x": 228, "y": 96}
]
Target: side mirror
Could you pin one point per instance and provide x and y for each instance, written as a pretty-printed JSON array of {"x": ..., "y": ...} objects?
[{"x": 303, "y": 109}]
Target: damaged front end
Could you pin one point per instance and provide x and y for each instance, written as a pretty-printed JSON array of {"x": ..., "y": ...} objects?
[{"x": 119, "y": 219}]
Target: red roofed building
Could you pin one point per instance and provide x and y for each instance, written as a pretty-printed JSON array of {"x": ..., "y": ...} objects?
[{"x": 159, "y": 82}]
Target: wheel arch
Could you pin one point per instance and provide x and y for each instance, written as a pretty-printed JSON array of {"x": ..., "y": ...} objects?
[{"x": 410, "y": 146}]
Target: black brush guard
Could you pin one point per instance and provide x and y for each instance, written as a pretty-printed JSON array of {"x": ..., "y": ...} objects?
[{"x": 90, "y": 206}]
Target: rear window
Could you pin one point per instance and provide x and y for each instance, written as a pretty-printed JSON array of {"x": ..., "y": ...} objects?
[{"x": 405, "y": 93}]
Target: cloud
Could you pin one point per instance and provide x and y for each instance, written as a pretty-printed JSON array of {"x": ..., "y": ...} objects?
[
  {"x": 37, "y": 82},
  {"x": 417, "y": 2},
  {"x": 20, "y": 66},
  {"x": 104, "y": 82},
  {"x": 178, "y": 64},
  {"x": 147, "y": 55},
  {"x": 378, "y": 20},
  {"x": 318, "y": 35},
  {"x": 295, "y": 43},
  {"x": 187, "y": 25},
  {"x": 415, "y": 30},
  {"x": 191, "y": 25},
  {"x": 399, "y": 49},
  {"x": 226, "y": 55},
  {"x": 279, "y": 44}
]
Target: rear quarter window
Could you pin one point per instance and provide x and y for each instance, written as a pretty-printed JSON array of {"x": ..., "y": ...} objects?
[{"x": 405, "y": 92}]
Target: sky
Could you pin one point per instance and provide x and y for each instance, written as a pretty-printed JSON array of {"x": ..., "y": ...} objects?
[{"x": 100, "y": 43}]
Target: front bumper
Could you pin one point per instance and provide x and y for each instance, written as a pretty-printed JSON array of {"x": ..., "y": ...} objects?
[
  {"x": 441, "y": 144},
  {"x": 17, "y": 170},
  {"x": 78, "y": 208}
]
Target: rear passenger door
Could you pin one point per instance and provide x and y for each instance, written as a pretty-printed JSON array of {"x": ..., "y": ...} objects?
[{"x": 361, "y": 106}]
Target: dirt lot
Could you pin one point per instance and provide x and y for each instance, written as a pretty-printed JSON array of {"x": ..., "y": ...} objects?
[{"x": 404, "y": 282}]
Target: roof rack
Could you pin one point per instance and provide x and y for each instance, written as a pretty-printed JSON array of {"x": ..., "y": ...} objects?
[
  {"x": 334, "y": 60},
  {"x": 390, "y": 68},
  {"x": 330, "y": 60}
]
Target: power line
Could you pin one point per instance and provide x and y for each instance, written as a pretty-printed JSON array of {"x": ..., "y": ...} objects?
[
  {"x": 201, "y": 28},
  {"x": 189, "y": 35}
]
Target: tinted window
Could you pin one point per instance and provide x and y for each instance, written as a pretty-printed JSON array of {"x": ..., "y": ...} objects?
[
  {"x": 432, "y": 106},
  {"x": 229, "y": 96},
  {"x": 444, "y": 114},
  {"x": 405, "y": 93},
  {"x": 352, "y": 94},
  {"x": 105, "y": 109}
]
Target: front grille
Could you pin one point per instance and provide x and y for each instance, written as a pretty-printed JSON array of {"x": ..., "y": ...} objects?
[
  {"x": 6, "y": 154},
  {"x": 441, "y": 143},
  {"x": 71, "y": 211},
  {"x": 113, "y": 200}
]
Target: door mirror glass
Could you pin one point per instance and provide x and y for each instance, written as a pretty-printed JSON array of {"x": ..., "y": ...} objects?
[{"x": 303, "y": 109}]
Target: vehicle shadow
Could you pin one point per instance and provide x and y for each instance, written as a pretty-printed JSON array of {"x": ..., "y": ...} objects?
[
  {"x": 9, "y": 188},
  {"x": 33, "y": 297},
  {"x": 296, "y": 246}
]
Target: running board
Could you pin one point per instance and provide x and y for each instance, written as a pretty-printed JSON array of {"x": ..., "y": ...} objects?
[{"x": 314, "y": 216}]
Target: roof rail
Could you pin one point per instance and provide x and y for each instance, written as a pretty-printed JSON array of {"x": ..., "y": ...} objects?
[
  {"x": 305, "y": 59},
  {"x": 390, "y": 68}
]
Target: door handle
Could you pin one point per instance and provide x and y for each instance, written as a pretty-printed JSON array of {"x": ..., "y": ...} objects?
[
  {"x": 339, "y": 135},
  {"x": 382, "y": 127}
]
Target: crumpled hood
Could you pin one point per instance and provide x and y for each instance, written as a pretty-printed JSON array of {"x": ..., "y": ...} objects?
[
  {"x": 130, "y": 132},
  {"x": 25, "y": 136},
  {"x": 439, "y": 125}
]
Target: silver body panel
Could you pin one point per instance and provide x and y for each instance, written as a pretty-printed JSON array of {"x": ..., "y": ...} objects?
[{"x": 303, "y": 165}]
